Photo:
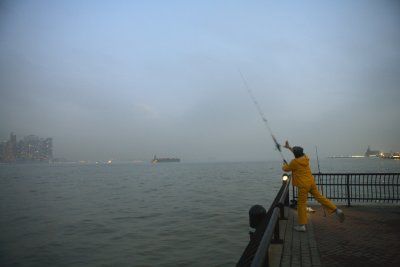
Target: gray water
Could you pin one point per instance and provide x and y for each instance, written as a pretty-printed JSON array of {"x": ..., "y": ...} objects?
[{"x": 178, "y": 214}]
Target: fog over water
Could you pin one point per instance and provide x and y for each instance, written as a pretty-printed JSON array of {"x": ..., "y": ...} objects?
[{"x": 125, "y": 80}]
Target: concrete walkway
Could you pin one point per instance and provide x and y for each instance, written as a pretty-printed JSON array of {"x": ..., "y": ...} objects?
[{"x": 370, "y": 236}]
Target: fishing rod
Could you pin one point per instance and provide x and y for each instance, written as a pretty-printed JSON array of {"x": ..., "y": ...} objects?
[
  {"x": 316, "y": 151},
  {"x": 319, "y": 177},
  {"x": 277, "y": 145}
]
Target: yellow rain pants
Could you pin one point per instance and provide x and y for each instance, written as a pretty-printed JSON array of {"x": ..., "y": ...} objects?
[
  {"x": 302, "y": 201},
  {"x": 304, "y": 180}
]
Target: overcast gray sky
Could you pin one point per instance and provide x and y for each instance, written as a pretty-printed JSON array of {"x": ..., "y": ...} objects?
[{"x": 130, "y": 79}]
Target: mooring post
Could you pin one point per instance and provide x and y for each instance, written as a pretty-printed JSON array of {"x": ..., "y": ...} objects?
[{"x": 257, "y": 214}]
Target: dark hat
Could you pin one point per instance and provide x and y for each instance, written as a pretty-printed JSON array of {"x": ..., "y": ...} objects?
[{"x": 298, "y": 151}]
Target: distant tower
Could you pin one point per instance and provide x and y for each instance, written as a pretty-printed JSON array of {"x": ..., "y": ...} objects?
[
  {"x": 371, "y": 153},
  {"x": 367, "y": 153},
  {"x": 11, "y": 148},
  {"x": 13, "y": 139}
]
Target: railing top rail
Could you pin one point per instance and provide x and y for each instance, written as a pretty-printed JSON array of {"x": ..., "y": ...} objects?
[
  {"x": 357, "y": 173},
  {"x": 263, "y": 246},
  {"x": 255, "y": 253}
]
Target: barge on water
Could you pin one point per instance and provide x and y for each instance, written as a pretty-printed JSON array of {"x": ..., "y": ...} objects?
[{"x": 165, "y": 160}]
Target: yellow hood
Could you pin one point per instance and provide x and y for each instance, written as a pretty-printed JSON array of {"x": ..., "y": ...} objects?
[{"x": 300, "y": 169}]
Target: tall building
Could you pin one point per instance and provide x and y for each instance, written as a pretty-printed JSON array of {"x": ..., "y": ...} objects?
[
  {"x": 10, "y": 149},
  {"x": 371, "y": 153},
  {"x": 31, "y": 148}
]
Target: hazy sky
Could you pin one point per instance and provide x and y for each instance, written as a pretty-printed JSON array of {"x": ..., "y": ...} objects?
[{"x": 130, "y": 79}]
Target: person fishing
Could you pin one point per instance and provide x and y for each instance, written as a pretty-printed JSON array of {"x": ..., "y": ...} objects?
[{"x": 304, "y": 181}]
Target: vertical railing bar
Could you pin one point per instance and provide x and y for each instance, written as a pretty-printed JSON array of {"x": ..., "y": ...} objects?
[
  {"x": 362, "y": 181},
  {"x": 397, "y": 188},
  {"x": 385, "y": 187},
  {"x": 351, "y": 187},
  {"x": 380, "y": 187},
  {"x": 393, "y": 186},
  {"x": 340, "y": 188},
  {"x": 335, "y": 180},
  {"x": 320, "y": 183},
  {"x": 359, "y": 187},
  {"x": 348, "y": 187},
  {"x": 396, "y": 195},
  {"x": 367, "y": 187},
  {"x": 390, "y": 179},
  {"x": 333, "y": 186},
  {"x": 373, "y": 179},
  {"x": 354, "y": 188},
  {"x": 369, "y": 196},
  {"x": 371, "y": 187},
  {"x": 343, "y": 187},
  {"x": 375, "y": 186},
  {"x": 382, "y": 178}
]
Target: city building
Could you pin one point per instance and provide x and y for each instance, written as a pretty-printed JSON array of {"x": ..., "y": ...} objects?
[
  {"x": 30, "y": 149},
  {"x": 371, "y": 153}
]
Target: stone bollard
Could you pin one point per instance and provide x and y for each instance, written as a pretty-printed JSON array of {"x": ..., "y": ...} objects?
[{"x": 257, "y": 214}]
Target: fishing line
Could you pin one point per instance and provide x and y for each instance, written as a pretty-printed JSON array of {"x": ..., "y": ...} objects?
[{"x": 277, "y": 145}]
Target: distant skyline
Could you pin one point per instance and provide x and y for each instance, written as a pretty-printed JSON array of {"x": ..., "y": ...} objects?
[
  {"x": 130, "y": 79},
  {"x": 13, "y": 135}
]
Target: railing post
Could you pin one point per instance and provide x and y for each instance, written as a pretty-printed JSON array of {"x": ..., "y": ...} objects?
[{"x": 348, "y": 189}]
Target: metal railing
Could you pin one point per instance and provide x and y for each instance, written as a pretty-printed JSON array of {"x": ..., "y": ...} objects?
[
  {"x": 348, "y": 187},
  {"x": 267, "y": 231},
  {"x": 358, "y": 187}
]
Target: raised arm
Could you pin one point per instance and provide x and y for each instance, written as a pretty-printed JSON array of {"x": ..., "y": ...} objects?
[{"x": 288, "y": 146}]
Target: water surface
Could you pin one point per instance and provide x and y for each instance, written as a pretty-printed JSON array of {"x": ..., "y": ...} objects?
[{"x": 177, "y": 214}]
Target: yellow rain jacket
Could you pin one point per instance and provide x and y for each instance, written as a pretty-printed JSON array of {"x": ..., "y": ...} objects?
[
  {"x": 301, "y": 172},
  {"x": 304, "y": 180}
]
